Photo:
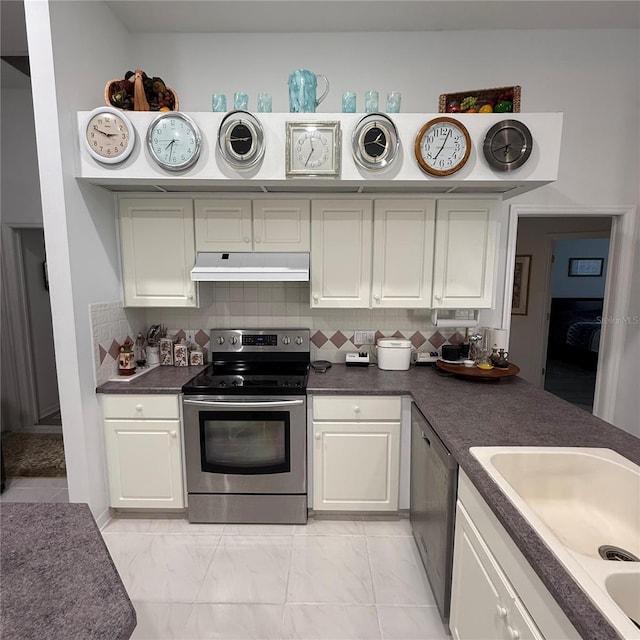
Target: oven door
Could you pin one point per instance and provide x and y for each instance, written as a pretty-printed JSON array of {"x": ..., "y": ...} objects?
[{"x": 245, "y": 444}]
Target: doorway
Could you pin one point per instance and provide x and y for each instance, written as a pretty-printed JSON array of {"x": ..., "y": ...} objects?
[
  {"x": 527, "y": 339},
  {"x": 32, "y": 445},
  {"x": 575, "y": 301}
]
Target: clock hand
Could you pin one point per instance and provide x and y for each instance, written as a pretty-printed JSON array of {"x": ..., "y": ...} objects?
[
  {"x": 240, "y": 139},
  {"x": 310, "y": 154},
  {"x": 104, "y": 133},
  {"x": 506, "y": 148},
  {"x": 170, "y": 145},
  {"x": 445, "y": 142}
]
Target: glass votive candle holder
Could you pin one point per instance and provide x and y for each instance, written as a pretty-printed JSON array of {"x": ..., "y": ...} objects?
[
  {"x": 348, "y": 102},
  {"x": 264, "y": 102},
  {"x": 393, "y": 101},
  {"x": 218, "y": 102},
  {"x": 371, "y": 101},
  {"x": 240, "y": 100}
]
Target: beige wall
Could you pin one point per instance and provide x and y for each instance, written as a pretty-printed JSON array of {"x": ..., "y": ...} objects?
[{"x": 527, "y": 339}]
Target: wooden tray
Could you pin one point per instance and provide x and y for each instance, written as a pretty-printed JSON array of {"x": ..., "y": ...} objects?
[{"x": 479, "y": 374}]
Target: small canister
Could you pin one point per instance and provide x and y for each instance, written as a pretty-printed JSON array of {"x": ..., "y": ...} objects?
[
  {"x": 181, "y": 354},
  {"x": 153, "y": 354},
  {"x": 166, "y": 351},
  {"x": 197, "y": 356}
]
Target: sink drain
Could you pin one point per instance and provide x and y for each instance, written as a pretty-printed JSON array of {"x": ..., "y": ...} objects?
[{"x": 610, "y": 552}]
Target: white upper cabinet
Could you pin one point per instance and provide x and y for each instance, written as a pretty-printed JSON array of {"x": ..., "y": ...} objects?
[
  {"x": 341, "y": 242},
  {"x": 465, "y": 253},
  {"x": 264, "y": 225},
  {"x": 403, "y": 233},
  {"x": 158, "y": 252},
  {"x": 361, "y": 258}
]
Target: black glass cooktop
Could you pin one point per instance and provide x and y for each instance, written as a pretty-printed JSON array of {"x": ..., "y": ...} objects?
[{"x": 250, "y": 378}]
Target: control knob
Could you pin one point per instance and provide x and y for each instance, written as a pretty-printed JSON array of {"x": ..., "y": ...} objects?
[
  {"x": 298, "y": 340},
  {"x": 286, "y": 340},
  {"x": 220, "y": 340},
  {"x": 233, "y": 340}
]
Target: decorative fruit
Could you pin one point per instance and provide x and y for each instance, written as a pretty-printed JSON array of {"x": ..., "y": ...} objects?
[
  {"x": 472, "y": 110},
  {"x": 453, "y": 107},
  {"x": 504, "y": 106},
  {"x": 151, "y": 90},
  {"x": 468, "y": 103},
  {"x": 486, "y": 108}
]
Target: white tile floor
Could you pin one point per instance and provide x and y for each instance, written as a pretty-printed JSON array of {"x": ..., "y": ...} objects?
[
  {"x": 35, "y": 490},
  {"x": 329, "y": 579}
]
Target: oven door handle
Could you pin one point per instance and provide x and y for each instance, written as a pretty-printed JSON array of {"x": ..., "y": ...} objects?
[{"x": 223, "y": 403}]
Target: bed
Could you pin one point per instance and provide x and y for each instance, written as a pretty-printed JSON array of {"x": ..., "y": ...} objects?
[{"x": 574, "y": 329}]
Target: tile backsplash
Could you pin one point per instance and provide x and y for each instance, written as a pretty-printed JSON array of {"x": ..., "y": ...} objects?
[
  {"x": 111, "y": 325},
  {"x": 262, "y": 305}
]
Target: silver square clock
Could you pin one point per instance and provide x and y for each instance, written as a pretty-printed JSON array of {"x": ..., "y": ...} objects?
[{"x": 313, "y": 149}]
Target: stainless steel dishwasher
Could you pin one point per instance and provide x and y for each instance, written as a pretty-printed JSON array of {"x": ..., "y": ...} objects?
[{"x": 434, "y": 481}]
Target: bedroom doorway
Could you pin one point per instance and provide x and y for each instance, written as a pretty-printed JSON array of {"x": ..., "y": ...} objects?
[
  {"x": 575, "y": 300},
  {"x": 529, "y": 330}
]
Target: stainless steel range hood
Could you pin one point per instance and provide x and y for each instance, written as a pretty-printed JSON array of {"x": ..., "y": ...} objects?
[{"x": 251, "y": 267}]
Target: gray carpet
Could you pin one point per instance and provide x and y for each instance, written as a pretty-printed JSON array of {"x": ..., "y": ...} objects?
[{"x": 33, "y": 455}]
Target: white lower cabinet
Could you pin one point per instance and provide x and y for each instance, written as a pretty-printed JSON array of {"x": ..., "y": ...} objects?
[
  {"x": 356, "y": 453},
  {"x": 495, "y": 593},
  {"x": 143, "y": 436}
]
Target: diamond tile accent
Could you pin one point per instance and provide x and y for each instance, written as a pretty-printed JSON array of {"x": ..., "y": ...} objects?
[
  {"x": 398, "y": 334},
  {"x": 202, "y": 338},
  {"x": 456, "y": 338},
  {"x": 318, "y": 339},
  {"x": 338, "y": 338},
  {"x": 417, "y": 339},
  {"x": 379, "y": 335},
  {"x": 181, "y": 335},
  {"x": 437, "y": 339},
  {"x": 114, "y": 350},
  {"x": 103, "y": 353}
]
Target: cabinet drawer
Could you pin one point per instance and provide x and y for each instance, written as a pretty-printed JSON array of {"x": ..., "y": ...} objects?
[
  {"x": 141, "y": 406},
  {"x": 357, "y": 408}
]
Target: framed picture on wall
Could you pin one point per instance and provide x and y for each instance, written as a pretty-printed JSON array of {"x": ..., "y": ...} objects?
[
  {"x": 521, "y": 275},
  {"x": 585, "y": 267}
]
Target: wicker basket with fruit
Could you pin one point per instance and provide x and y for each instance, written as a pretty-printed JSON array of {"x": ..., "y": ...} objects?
[{"x": 139, "y": 92}]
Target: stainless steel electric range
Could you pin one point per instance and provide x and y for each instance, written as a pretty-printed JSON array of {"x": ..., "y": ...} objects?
[{"x": 245, "y": 423}]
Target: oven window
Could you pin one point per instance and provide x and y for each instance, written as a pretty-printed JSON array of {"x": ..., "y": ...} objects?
[{"x": 246, "y": 443}]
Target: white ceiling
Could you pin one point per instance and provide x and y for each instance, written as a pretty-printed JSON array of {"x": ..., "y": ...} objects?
[{"x": 216, "y": 16}]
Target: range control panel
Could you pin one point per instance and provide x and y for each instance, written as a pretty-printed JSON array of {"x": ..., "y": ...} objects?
[{"x": 260, "y": 340}]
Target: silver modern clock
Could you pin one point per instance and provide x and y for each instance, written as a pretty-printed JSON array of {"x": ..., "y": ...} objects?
[
  {"x": 241, "y": 139},
  {"x": 174, "y": 141},
  {"x": 375, "y": 142}
]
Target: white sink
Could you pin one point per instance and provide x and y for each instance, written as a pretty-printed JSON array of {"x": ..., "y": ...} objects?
[{"x": 580, "y": 501}]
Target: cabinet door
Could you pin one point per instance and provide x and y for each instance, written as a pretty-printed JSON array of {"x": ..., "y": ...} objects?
[
  {"x": 483, "y": 604},
  {"x": 158, "y": 253},
  {"x": 341, "y": 242},
  {"x": 356, "y": 466},
  {"x": 465, "y": 253},
  {"x": 281, "y": 225},
  {"x": 403, "y": 235},
  {"x": 223, "y": 225},
  {"x": 144, "y": 459}
]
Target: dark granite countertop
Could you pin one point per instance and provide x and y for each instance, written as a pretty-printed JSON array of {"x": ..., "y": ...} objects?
[
  {"x": 467, "y": 413},
  {"x": 58, "y": 579},
  {"x": 158, "y": 380}
]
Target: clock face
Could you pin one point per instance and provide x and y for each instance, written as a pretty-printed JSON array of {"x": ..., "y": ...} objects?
[
  {"x": 375, "y": 142},
  {"x": 109, "y": 136},
  {"x": 442, "y": 146},
  {"x": 313, "y": 149},
  {"x": 174, "y": 140},
  {"x": 508, "y": 145},
  {"x": 241, "y": 139}
]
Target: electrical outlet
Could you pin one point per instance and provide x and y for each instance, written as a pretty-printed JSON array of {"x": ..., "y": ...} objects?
[
  {"x": 190, "y": 334},
  {"x": 364, "y": 337}
]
